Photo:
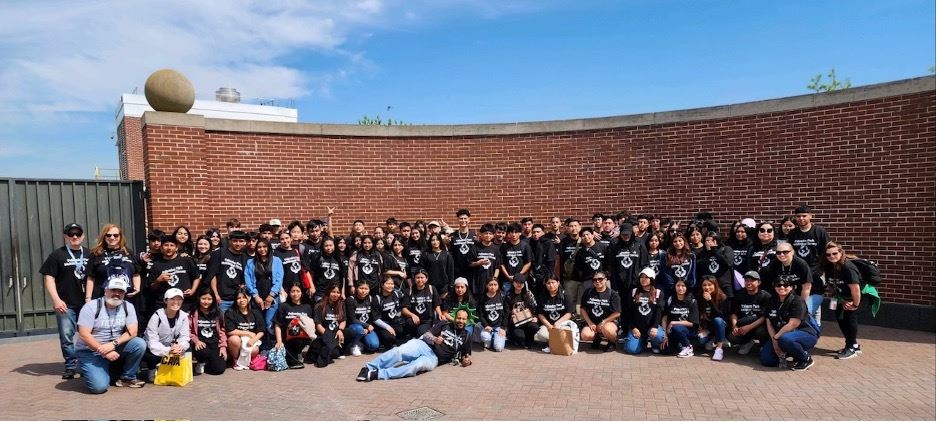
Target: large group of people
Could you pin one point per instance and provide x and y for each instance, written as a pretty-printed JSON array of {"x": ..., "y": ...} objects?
[{"x": 422, "y": 293}]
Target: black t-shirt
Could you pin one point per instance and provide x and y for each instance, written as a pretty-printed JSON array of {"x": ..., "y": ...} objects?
[
  {"x": 744, "y": 304},
  {"x": 646, "y": 309},
  {"x": 414, "y": 255},
  {"x": 440, "y": 268},
  {"x": 492, "y": 311},
  {"x": 423, "y": 302},
  {"x": 289, "y": 311},
  {"x": 391, "y": 307},
  {"x": 396, "y": 263},
  {"x": 182, "y": 273},
  {"x": 292, "y": 265},
  {"x": 710, "y": 310},
  {"x": 208, "y": 329},
  {"x": 455, "y": 343},
  {"x": 554, "y": 307},
  {"x": 757, "y": 260},
  {"x": 69, "y": 272},
  {"x": 451, "y": 302},
  {"x": 544, "y": 259},
  {"x": 809, "y": 244},
  {"x": 328, "y": 270},
  {"x": 362, "y": 311},
  {"x": 515, "y": 256},
  {"x": 461, "y": 250},
  {"x": 327, "y": 316},
  {"x": 796, "y": 274},
  {"x": 484, "y": 272},
  {"x": 128, "y": 264},
  {"x": 840, "y": 279},
  {"x": 228, "y": 267},
  {"x": 682, "y": 310},
  {"x": 599, "y": 305},
  {"x": 369, "y": 268},
  {"x": 625, "y": 261},
  {"x": 779, "y": 313},
  {"x": 718, "y": 262},
  {"x": 310, "y": 251},
  {"x": 589, "y": 260},
  {"x": 253, "y": 321}
]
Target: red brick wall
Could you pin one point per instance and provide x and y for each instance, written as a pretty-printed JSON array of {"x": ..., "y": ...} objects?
[
  {"x": 868, "y": 168},
  {"x": 130, "y": 148}
]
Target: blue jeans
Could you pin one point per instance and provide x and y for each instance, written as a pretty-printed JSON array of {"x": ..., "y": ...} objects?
[
  {"x": 96, "y": 369},
  {"x": 634, "y": 345},
  {"x": 225, "y": 305},
  {"x": 716, "y": 331},
  {"x": 492, "y": 340},
  {"x": 370, "y": 341},
  {"x": 67, "y": 326},
  {"x": 679, "y": 334},
  {"x": 814, "y": 305},
  {"x": 415, "y": 355},
  {"x": 794, "y": 343},
  {"x": 268, "y": 314}
]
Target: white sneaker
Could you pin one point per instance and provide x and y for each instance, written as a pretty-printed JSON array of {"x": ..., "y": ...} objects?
[
  {"x": 719, "y": 354},
  {"x": 356, "y": 350},
  {"x": 709, "y": 346},
  {"x": 239, "y": 368},
  {"x": 199, "y": 368},
  {"x": 685, "y": 352},
  {"x": 746, "y": 348},
  {"x": 546, "y": 350},
  {"x": 656, "y": 350},
  {"x": 341, "y": 356}
]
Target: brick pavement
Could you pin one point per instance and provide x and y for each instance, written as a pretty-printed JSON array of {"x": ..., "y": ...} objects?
[{"x": 895, "y": 378}]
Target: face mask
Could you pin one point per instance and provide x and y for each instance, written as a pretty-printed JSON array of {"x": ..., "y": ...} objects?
[{"x": 113, "y": 302}]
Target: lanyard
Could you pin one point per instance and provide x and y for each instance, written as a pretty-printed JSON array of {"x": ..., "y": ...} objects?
[{"x": 79, "y": 262}]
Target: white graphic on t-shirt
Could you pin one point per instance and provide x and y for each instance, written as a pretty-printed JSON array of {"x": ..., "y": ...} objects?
[
  {"x": 367, "y": 268},
  {"x": 593, "y": 263},
  {"x": 173, "y": 279},
  {"x": 680, "y": 271},
  {"x": 486, "y": 266},
  {"x": 713, "y": 266},
  {"x": 333, "y": 325},
  {"x": 738, "y": 259},
  {"x": 420, "y": 307},
  {"x": 554, "y": 315},
  {"x": 231, "y": 272},
  {"x": 207, "y": 332},
  {"x": 598, "y": 311},
  {"x": 803, "y": 251},
  {"x": 294, "y": 267},
  {"x": 364, "y": 317},
  {"x": 464, "y": 249},
  {"x": 627, "y": 261},
  {"x": 493, "y": 316},
  {"x": 514, "y": 262},
  {"x": 329, "y": 273}
]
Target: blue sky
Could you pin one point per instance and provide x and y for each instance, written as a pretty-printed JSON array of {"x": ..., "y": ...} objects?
[{"x": 64, "y": 64}]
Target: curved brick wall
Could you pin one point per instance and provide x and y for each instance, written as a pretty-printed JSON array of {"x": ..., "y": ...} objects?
[{"x": 864, "y": 158}]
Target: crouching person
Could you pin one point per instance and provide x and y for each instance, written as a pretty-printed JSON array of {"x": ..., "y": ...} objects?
[
  {"x": 167, "y": 332},
  {"x": 107, "y": 334},
  {"x": 445, "y": 342},
  {"x": 790, "y": 328}
]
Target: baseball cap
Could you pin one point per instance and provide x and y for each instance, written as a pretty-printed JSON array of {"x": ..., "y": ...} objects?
[
  {"x": 648, "y": 272},
  {"x": 275, "y": 222},
  {"x": 173, "y": 292},
  {"x": 73, "y": 226},
  {"x": 119, "y": 283},
  {"x": 752, "y": 274},
  {"x": 461, "y": 280},
  {"x": 433, "y": 223}
]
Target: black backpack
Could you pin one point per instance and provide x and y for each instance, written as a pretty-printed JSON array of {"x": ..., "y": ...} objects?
[{"x": 870, "y": 273}]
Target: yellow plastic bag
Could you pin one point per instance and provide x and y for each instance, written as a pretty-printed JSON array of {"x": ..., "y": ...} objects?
[{"x": 175, "y": 370}]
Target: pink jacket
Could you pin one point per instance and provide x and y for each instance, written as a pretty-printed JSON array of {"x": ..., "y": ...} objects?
[{"x": 193, "y": 328}]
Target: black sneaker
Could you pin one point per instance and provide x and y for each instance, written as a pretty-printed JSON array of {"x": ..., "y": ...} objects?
[
  {"x": 297, "y": 365},
  {"x": 363, "y": 375},
  {"x": 611, "y": 346},
  {"x": 804, "y": 365},
  {"x": 848, "y": 353},
  {"x": 372, "y": 375},
  {"x": 69, "y": 374},
  {"x": 596, "y": 344}
]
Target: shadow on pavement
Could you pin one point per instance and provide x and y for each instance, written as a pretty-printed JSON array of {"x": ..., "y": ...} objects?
[{"x": 40, "y": 369}]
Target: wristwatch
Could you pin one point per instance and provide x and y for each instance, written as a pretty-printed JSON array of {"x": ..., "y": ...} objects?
[{"x": 115, "y": 343}]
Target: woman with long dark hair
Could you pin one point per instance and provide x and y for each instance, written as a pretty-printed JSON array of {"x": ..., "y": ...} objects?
[
  {"x": 439, "y": 265},
  {"x": 764, "y": 249},
  {"x": 245, "y": 328},
  {"x": 716, "y": 259},
  {"x": 680, "y": 263},
  {"x": 289, "y": 330},
  {"x": 414, "y": 250},
  {"x": 329, "y": 326},
  {"x": 520, "y": 298},
  {"x": 201, "y": 256},
  {"x": 713, "y": 316},
  {"x": 842, "y": 274},
  {"x": 396, "y": 265},
  {"x": 740, "y": 243},
  {"x": 366, "y": 265},
  {"x": 328, "y": 269},
  {"x": 787, "y": 224},
  {"x": 263, "y": 278},
  {"x": 214, "y": 236},
  {"x": 183, "y": 237},
  {"x": 209, "y": 340}
]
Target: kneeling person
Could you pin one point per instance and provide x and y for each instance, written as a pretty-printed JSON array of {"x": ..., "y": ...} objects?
[{"x": 445, "y": 342}]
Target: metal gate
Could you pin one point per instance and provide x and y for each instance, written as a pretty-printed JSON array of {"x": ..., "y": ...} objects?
[{"x": 32, "y": 215}]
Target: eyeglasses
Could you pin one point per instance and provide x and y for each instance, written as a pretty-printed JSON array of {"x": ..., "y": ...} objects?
[
  {"x": 784, "y": 252},
  {"x": 113, "y": 236},
  {"x": 599, "y": 279},
  {"x": 74, "y": 234},
  {"x": 832, "y": 254},
  {"x": 765, "y": 230}
]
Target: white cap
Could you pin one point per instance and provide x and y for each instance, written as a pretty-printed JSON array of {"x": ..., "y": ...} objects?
[
  {"x": 461, "y": 280},
  {"x": 648, "y": 272},
  {"x": 118, "y": 283},
  {"x": 749, "y": 223},
  {"x": 173, "y": 292},
  {"x": 275, "y": 222}
]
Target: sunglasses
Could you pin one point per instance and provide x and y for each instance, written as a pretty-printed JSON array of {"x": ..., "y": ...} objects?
[
  {"x": 599, "y": 279},
  {"x": 832, "y": 254},
  {"x": 782, "y": 285},
  {"x": 765, "y": 230},
  {"x": 784, "y": 252},
  {"x": 114, "y": 236},
  {"x": 74, "y": 234}
]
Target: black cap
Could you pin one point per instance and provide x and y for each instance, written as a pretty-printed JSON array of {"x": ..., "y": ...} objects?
[
  {"x": 238, "y": 234},
  {"x": 520, "y": 278},
  {"x": 73, "y": 226},
  {"x": 627, "y": 228}
]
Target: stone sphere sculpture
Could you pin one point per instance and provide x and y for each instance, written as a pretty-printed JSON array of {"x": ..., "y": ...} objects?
[{"x": 169, "y": 90}]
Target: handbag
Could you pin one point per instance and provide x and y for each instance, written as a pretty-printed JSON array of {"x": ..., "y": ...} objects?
[
  {"x": 175, "y": 370},
  {"x": 295, "y": 330},
  {"x": 276, "y": 359},
  {"x": 521, "y": 316},
  {"x": 258, "y": 363},
  {"x": 561, "y": 342}
]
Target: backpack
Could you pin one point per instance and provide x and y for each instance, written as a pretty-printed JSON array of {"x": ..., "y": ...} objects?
[
  {"x": 100, "y": 307},
  {"x": 870, "y": 274},
  {"x": 117, "y": 268},
  {"x": 276, "y": 360}
]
